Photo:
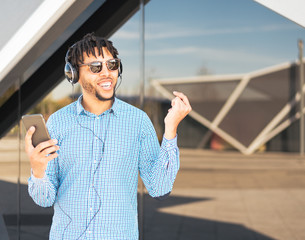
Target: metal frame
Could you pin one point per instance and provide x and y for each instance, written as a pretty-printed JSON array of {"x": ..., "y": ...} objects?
[{"x": 273, "y": 128}]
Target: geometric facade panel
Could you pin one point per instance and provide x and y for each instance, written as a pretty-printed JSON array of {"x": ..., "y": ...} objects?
[
  {"x": 246, "y": 110},
  {"x": 206, "y": 97}
]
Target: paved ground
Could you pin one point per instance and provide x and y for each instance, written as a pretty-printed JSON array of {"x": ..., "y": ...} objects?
[
  {"x": 228, "y": 196},
  {"x": 217, "y": 196}
]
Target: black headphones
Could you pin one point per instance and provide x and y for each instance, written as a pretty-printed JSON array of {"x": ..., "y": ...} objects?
[{"x": 71, "y": 73}]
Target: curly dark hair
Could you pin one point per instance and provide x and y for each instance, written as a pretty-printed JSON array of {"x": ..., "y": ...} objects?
[{"x": 87, "y": 45}]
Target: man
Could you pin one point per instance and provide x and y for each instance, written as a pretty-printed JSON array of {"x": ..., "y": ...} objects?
[{"x": 100, "y": 145}]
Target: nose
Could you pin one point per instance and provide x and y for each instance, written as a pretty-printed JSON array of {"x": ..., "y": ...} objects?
[{"x": 105, "y": 71}]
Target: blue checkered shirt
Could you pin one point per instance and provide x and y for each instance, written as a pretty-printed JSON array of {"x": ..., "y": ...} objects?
[{"x": 93, "y": 181}]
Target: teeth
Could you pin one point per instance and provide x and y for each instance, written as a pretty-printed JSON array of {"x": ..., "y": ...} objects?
[{"x": 106, "y": 84}]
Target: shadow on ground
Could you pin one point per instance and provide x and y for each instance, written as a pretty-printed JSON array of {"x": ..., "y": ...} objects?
[
  {"x": 35, "y": 221},
  {"x": 163, "y": 226}
]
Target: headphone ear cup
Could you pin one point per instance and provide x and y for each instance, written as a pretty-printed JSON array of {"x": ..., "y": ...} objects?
[
  {"x": 121, "y": 70},
  {"x": 70, "y": 73}
]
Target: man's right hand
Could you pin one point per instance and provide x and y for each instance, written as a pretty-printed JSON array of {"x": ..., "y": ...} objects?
[{"x": 41, "y": 154}]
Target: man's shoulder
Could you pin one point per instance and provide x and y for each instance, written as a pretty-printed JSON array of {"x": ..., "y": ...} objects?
[
  {"x": 127, "y": 107},
  {"x": 132, "y": 113},
  {"x": 63, "y": 113}
]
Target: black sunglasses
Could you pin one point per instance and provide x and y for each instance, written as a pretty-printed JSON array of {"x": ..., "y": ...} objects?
[{"x": 97, "y": 66}]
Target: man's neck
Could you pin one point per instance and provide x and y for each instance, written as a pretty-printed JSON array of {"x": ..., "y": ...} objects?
[{"x": 96, "y": 106}]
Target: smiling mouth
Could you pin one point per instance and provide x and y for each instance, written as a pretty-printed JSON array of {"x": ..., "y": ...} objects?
[{"x": 105, "y": 85}]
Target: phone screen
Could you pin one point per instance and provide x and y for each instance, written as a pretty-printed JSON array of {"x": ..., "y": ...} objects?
[{"x": 41, "y": 133}]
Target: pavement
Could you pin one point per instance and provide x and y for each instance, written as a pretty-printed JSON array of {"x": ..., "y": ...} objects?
[
  {"x": 229, "y": 196},
  {"x": 216, "y": 196}
]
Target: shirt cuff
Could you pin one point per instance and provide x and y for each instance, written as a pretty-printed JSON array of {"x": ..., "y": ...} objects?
[
  {"x": 38, "y": 180},
  {"x": 169, "y": 144}
]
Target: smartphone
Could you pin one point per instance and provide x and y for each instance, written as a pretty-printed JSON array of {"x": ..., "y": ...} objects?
[{"x": 41, "y": 133}]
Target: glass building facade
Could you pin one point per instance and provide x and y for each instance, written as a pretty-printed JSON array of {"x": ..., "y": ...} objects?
[{"x": 182, "y": 39}]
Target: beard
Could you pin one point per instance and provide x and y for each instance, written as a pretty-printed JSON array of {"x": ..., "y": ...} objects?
[
  {"x": 101, "y": 98},
  {"x": 88, "y": 87}
]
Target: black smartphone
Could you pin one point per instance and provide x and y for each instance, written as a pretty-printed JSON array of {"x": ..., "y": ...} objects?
[{"x": 41, "y": 133}]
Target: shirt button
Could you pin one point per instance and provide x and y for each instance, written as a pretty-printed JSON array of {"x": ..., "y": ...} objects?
[
  {"x": 89, "y": 232},
  {"x": 96, "y": 138},
  {"x": 91, "y": 209}
]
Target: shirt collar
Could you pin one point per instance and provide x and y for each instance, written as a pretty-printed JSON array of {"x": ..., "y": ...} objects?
[{"x": 80, "y": 109}]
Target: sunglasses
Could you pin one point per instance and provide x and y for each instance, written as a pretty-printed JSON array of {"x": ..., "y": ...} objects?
[{"x": 97, "y": 67}]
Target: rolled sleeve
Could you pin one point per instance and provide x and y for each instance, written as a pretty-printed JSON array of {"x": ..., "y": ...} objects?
[
  {"x": 41, "y": 190},
  {"x": 169, "y": 144},
  {"x": 35, "y": 180}
]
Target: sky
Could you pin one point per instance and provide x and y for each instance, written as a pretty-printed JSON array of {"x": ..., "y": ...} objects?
[{"x": 221, "y": 36}]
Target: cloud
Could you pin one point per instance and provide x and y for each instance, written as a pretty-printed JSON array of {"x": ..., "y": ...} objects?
[
  {"x": 125, "y": 35},
  {"x": 160, "y": 31},
  {"x": 219, "y": 55},
  {"x": 209, "y": 54}
]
